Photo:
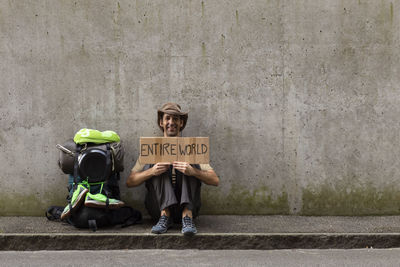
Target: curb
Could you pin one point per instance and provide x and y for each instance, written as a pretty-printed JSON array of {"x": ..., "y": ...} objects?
[{"x": 220, "y": 241}]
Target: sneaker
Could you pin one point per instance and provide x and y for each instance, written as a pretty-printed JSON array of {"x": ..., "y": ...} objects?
[
  {"x": 77, "y": 198},
  {"x": 164, "y": 223},
  {"x": 188, "y": 227},
  {"x": 100, "y": 201}
]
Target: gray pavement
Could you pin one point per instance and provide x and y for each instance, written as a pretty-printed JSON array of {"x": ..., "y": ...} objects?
[
  {"x": 215, "y": 232},
  {"x": 299, "y": 257}
]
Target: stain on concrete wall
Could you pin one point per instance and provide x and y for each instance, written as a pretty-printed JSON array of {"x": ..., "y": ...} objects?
[
  {"x": 300, "y": 99},
  {"x": 350, "y": 199}
]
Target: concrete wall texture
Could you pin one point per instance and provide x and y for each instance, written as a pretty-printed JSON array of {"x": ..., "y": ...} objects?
[{"x": 301, "y": 99}]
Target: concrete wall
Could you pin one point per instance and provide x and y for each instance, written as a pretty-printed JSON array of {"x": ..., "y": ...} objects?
[{"x": 301, "y": 99}]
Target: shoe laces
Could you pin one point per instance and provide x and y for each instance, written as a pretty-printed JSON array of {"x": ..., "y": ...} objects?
[
  {"x": 163, "y": 221},
  {"x": 187, "y": 222}
]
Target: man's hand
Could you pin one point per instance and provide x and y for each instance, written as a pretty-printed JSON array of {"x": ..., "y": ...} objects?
[
  {"x": 159, "y": 168},
  {"x": 138, "y": 177},
  {"x": 184, "y": 168}
]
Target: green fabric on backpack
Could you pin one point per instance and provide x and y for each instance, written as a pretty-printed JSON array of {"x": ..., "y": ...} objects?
[{"x": 94, "y": 136}]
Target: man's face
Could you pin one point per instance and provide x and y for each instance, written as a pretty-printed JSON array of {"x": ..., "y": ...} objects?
[{"x": 171, "y": 125}]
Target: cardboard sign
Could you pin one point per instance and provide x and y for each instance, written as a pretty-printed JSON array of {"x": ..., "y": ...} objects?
[{"x": 194, "y": 150}]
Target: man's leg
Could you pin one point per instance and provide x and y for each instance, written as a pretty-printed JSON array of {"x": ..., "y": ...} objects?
[
  {"x": 190, "y": 195},
  {"x": 190, "y": 202},
  {"x": 160, "y": 196}
]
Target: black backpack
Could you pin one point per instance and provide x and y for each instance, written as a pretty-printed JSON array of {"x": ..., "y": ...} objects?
[{"x": 99, "y": 167}]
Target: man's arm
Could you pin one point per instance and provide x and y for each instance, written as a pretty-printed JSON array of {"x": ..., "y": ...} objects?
[
  {"x": 208, "y": 177},
  {"x": 138, "y": 177}
]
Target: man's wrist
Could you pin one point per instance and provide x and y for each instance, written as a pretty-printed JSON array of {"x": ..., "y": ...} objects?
[{"x": 197, "y": 172}]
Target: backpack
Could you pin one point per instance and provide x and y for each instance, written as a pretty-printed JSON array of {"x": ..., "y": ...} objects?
[{"x": 95, "y": 159}]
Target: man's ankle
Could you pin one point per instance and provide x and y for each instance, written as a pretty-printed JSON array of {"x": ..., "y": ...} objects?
[
  {"x": 187, "y": 212},
  {"x": 165, "y": 212}
]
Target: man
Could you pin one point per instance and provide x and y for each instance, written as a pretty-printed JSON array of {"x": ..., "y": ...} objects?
[{"x": 173, "y": 190}]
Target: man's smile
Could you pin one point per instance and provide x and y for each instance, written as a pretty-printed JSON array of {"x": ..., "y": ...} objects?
[{"x": 171, "y": 127}]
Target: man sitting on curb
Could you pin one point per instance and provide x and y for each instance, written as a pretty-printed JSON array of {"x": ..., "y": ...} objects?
[{"x": 173, "y": 190}]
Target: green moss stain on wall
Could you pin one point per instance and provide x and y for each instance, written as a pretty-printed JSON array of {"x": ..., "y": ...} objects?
[
  {"x": 351, "y": 200},
  {"x": 17, "y": 204},
  {"x": 243, "y": 201},
  {"x": 327, "y": 199}
]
